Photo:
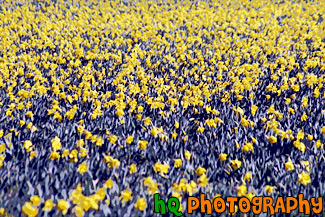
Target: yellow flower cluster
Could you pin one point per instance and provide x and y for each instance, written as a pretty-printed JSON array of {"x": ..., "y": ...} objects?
[
  {"x": 99, "y": 90},
  {"x": 84, "y": 203}
]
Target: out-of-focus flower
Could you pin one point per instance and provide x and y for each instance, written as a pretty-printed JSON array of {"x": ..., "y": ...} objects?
[
  {"x": 54, "y": 155},
  {"x": 143, "y": 144},
  {"x": 126, "y": 195},
  {"x": 113, "y": 139},
  {"x": 272, "y": 139},
  {"x": 318, "y": 144},
  {"x": 241, "y": 191},
  {"x": 56, "y": 143},
  {"x": 29, "y": 210},
  {"x": 304, "y": 178},
  {"x": 178, "y": 163},
  {"x": 187, "y": 155},
  {"x": 203, "y": 180},
  {"x": 141, "y": 204},
  {"x": 200, "y": 171},
  {"x": 2, "y": 211},
  {"x": 269, "y": 189},
  {"x": 63, "y": 206},
  {"x": 250, "y": 196},
  {"x": 114, "y": 163},
  {"x": 176, "y": 125},
  {"x": 109, "y": 183},
  {"x": 129, "y": 140},
  {"x": 48, "y": 205},
  {"x": 223, "y": 157},
  {"x": 289, "y": 165},
  {"x": 28, "y": 146},
  {"x": 248, "y": 176},
  {"x": 82, "y": 168},
  {"x": 236, "y": 164},
  {"x": 36, "y": 200},
  {"x": 133, "y": 168},
  {"x": 154, "y": 132}
]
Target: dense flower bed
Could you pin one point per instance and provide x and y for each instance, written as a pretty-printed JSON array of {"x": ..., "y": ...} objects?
[{"x": 105, "y": 103}]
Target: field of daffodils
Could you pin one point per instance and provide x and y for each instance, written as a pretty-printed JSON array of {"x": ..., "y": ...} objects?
[{"x": 105, "y": 103}]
